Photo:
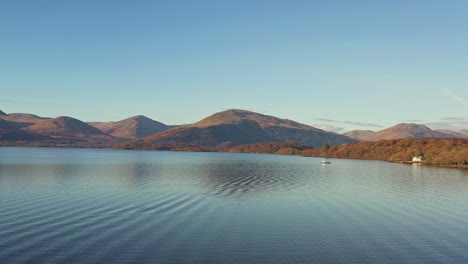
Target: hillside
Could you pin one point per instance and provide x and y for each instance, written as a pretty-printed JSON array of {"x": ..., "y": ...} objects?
[
  {"x": 10, "y": 133},
  {"x": 131, "y": 128},
  {"x": 22, "y": 120},
  {"x": 70, "y": 129},
  {"x": 464, "y": 132},
  {"x": 282, "y": 148},
  {"x": 234, "y": 116},
  {"x": 451, "y": 133},
  {"x": 245, "y": 132},
  {"x": 438, "y": 151},
  {"x": 359, "y": 134},
  {"x": 7, "y": 124},
  {"x": 405, "y": 130},
  {"x": 99, "y": 124},
  {"x": 237, "y": 127}
]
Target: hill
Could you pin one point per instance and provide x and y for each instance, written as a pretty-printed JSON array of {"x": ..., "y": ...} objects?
[
  {"x": 245, "y": 132},
  {"x": 99, "y": 124},
  {"x": 131, "y": 128},
  {"x": 69, "y": 128},
  {"x": 405, "y": 130},
  {"x": 464, "y": 132},
  {"x": 234, "y": 116},
  {"x": 22, "y": 120},
  {"x": 237, "y": 127},
  {"x": 359, "y": 134},
  {"x": 10, "y": 133},
  {"x": 2, "y": 113},
  {"x": 450, "y": 152},
  {"x": 451, "y": 133}
]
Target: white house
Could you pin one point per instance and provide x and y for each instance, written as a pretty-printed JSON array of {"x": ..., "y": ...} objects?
[{"x": 418, "y": 159}]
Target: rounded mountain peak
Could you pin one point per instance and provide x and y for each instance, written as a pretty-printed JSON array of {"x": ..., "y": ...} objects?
[
  {"x": 134, "y": 127},
  {"x": 140, "y": 118},
  {"x": 235, "y": 116},
  {"x": 64, "y": 125},
  {"x": 411, "y": 126}
]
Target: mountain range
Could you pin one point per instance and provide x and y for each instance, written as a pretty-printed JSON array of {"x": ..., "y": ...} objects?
[
  {"x": 236, "y": 127},
  {"x": 220, "y": 131}
]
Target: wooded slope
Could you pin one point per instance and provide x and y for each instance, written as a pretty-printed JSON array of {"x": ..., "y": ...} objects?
[{"x": 438, "y": 151}]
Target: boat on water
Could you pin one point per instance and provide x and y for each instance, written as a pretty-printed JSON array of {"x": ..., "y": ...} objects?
[{"x": 326, "y": 162}]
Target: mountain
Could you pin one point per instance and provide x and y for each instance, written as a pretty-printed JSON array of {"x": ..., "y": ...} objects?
[
  {"x": 2, "y": 113},
  {"x": 5, "y": 125},
  {"x": 237, "y": 127},
  {"x": 359, "y": 135},
  {"x": 405, "y": 130},
  {"x": 131, "y": 128},
  {"x": 69, "y": 128},
  {"x": 9, "y": 132},
  {"x": 22, "y": 120},
  {"x": 451, "y": 133},
  {"x": 463, "y": 132}
]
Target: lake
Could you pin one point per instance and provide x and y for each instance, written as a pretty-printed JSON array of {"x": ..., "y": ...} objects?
[{"x": 121, "y": 206}]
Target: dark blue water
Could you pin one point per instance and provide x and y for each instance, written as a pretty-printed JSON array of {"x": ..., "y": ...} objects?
[{"x": 111, "y": 206}]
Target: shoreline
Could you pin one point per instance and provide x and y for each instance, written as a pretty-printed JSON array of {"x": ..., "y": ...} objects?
[{"x": 223, "y": 151}]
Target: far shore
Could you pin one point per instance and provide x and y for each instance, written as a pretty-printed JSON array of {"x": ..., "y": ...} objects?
[{"x": 289, "y": 152}]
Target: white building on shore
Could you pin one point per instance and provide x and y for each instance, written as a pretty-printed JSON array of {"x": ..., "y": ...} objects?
[{"x": 418, "y": 158}]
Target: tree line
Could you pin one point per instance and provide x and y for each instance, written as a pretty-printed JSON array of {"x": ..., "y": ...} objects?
[{"x": 437, "y": 151}]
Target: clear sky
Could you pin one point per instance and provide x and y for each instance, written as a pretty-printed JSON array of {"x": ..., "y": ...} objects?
[{"x": 332, "y": 64}]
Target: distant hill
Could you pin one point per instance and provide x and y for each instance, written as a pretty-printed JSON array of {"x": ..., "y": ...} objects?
[
  {"x": 131, "y": 128},
  {"x": 405, "y": 130},
  {"x": 22, "y": 120},
  {"x": 2, "y": 113},
  {"x": 451, "y": 133},
  {"x": 237, "y": 127},
  {"x": 359, "y": 134},
  {"x": 9, "y": 132},
  {"x": 218, "y": 132},
  {"x": 99, "y": 124},
  {"x": 7, "y": 124},
  {"x": 69, "y": 128},
  {"x": 463, "y": 132},
  {"x": 234, "y": 116},
  {"x": 245, "y": 132}
]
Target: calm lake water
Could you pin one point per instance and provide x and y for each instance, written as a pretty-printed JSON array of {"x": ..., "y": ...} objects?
[{"x": 113, "y": 206}]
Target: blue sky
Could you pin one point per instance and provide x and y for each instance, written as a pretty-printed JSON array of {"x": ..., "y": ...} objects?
[{"x": 338, "y": 65}]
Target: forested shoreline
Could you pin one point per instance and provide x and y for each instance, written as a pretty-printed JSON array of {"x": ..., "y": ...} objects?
[{"x": 444, "y": 152}]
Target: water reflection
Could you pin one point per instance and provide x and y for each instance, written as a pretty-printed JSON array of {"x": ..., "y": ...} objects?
[
  {"x": 416, "y": 169},
  {"x": 42, "y": 174}
]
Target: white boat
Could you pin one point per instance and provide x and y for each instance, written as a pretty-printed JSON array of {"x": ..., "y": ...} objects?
[{"x": 325, "y": 162}]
